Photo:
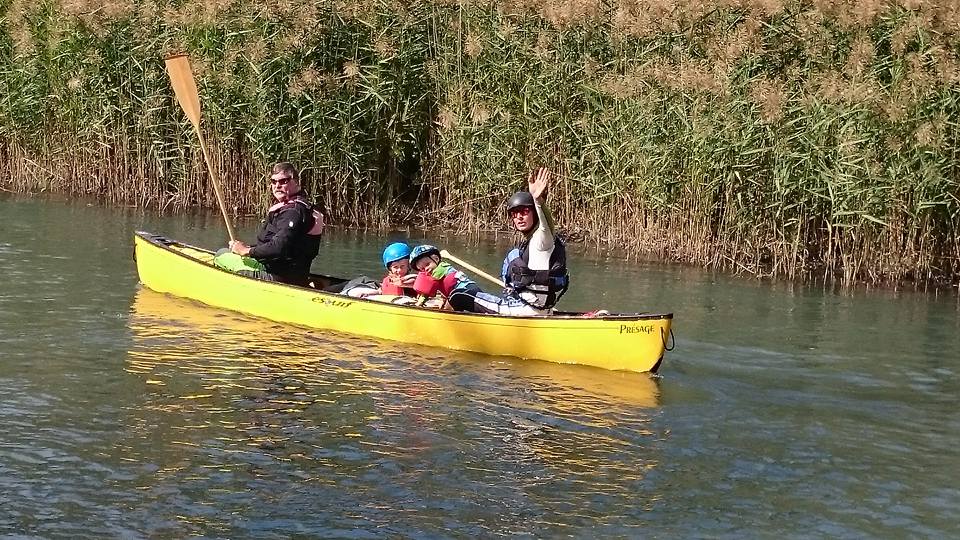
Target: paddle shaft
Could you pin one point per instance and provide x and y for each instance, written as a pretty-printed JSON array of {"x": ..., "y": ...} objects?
[
  {"x": 216, "y": 188},
  {"x": 185, "y": 88},
  {"x": 447, "y": 255}
]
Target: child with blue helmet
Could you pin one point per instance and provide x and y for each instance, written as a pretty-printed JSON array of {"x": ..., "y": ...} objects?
[{"x": 398, "y": 280}]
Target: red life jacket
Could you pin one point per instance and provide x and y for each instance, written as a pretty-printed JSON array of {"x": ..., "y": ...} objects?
[
  {"x": 426, "y": 285},
  {"x": 448, "y": 283},
  {"x": 429, "y": 286}
]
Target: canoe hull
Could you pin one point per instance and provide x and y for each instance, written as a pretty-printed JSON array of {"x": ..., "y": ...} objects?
[{"x": 632, "y": 343}]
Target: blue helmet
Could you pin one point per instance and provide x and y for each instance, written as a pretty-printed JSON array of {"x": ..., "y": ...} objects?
[
  {"x": 395, "y": 252},
  {"x": 423, "y": 251}
]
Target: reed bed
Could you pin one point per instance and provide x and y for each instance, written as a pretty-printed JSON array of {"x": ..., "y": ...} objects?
[{"x": 780, "y": 138}]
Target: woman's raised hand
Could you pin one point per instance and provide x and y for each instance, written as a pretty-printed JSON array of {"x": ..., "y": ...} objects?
[{"x": 538, "y": 181}]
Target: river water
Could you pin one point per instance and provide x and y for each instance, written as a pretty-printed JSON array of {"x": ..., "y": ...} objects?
[{"x": 785, "y": 410}]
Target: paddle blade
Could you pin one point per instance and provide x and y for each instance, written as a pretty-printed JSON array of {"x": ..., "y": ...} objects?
[{"x": 181, "y": 78}]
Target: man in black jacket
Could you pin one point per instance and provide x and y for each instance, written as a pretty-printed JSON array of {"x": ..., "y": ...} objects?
[{"x": 289, "y": 237}]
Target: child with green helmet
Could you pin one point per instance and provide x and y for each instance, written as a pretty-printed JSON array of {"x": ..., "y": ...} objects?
[{"x": 436, "y": 276}]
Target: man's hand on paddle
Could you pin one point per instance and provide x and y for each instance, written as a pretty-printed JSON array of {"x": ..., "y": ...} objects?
[
  {"x": 239, "y": 248},
  {"x": 538, "y": 181}
]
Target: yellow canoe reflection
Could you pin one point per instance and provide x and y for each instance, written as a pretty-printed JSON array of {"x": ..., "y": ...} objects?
[
  {"x": 584, "y": 386},
  {"x": 226, "y": 334},
  {"x": 172, "y": 336}
]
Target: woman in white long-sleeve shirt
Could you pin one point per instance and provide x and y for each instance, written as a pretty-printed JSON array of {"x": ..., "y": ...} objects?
[{"x": 535, "y": 272}]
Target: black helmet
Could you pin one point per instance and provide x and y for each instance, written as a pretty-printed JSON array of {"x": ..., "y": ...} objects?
[{"x": 520, "y": 198}]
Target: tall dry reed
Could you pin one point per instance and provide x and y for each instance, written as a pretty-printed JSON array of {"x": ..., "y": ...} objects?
[{"x": 776, "y": 137}]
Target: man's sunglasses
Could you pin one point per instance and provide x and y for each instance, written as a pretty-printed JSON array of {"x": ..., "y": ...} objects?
[{"x": 282, "y": 180}]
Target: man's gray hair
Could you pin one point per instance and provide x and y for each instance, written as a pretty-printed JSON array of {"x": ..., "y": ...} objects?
[{"x": 286, "y": 167}]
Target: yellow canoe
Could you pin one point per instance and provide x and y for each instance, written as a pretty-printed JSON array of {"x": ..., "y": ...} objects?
[{"x": 632, "y": 342}]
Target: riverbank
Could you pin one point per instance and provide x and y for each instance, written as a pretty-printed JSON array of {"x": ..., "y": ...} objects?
[{"x": 808, "y": 141}]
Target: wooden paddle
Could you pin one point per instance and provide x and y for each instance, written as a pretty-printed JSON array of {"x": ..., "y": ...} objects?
[
  {"x": 447, "y": 255},
  {"x": 181, "y": 78}
]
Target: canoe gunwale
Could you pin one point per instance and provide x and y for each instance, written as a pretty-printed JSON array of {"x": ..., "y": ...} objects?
[{"x": 168, "y": 245}]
